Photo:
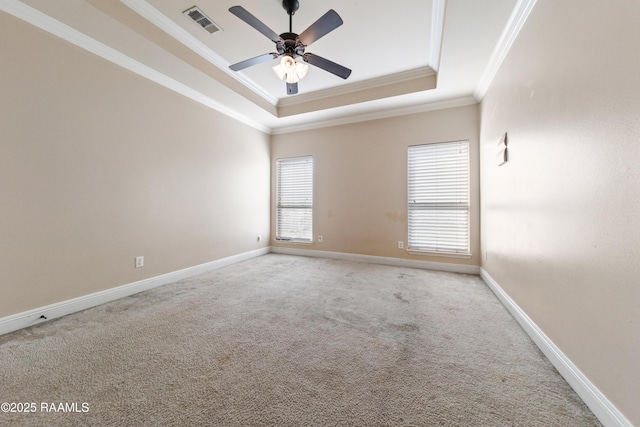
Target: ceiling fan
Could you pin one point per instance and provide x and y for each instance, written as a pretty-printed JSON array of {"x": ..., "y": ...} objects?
[{"x": 291, "y": 46}]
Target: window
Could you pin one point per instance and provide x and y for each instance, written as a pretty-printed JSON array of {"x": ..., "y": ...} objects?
[
  {"x": 438, "y": 190},
  {"x": 294, "y": 199}
]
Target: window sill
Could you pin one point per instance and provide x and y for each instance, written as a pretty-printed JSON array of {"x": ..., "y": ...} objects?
[
  {"x": 440, "y": 254},
  {"x": 295, "y": 241}
]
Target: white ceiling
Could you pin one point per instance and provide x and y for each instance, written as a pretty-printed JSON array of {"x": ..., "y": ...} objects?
[{"x": 407, "y": 56}]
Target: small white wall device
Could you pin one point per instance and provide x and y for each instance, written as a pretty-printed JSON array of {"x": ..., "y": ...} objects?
[{"x": 503, "y": 156}]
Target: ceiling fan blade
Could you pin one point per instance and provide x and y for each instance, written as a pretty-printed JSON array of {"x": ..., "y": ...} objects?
[
  {"x": 247, "y": 17},
  {"x": 253, "y": 61},
  {"x": 327, "y": 65},
  {"x": 292, "y": 88},
  {"x": 323, "y": 26}
]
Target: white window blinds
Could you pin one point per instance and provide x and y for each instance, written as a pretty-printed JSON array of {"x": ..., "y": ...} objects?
[
  {"x": 294, "y": 193},
  {"x": 438, "y": 190}
]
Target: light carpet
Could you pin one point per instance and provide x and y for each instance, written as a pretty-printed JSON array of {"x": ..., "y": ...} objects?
[{"x": 290, "y": 341}]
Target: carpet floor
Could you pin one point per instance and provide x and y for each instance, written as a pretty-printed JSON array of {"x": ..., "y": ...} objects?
[{"x": 289, "y": 341}]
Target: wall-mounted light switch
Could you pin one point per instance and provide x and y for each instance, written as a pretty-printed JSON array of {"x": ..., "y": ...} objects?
[{"x": 139, "y": 261}]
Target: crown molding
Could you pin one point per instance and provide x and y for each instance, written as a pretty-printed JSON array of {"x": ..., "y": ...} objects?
[
  {"x": 153, "y": 15},
  {"x": 71, "y": 35},
  {"x": 377, "y": 115},
  {"x": 65, "y": 32},
  {"x": 351, "y": 97},
  {"x": 518, "y": 17},
  {"x": 437, "y": 30},
  {"x": 360, "y": 86}
]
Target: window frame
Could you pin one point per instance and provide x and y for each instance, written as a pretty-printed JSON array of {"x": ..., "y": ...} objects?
[
  {"x": 285, "y": 235},
  {"x": 457, "y": 242}
]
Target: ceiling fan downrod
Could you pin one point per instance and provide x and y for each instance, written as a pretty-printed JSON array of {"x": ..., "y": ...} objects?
[{"x": 290, "y": 6}]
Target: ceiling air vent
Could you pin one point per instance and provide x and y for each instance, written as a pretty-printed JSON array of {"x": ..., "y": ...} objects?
[{"x": 202, "y": 20}]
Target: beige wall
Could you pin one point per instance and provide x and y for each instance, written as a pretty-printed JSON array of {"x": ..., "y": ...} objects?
[
  {"x": 561, "y": 220},
  {"x": 99, "y": 165},
  {"x": 360, "y": 179}
]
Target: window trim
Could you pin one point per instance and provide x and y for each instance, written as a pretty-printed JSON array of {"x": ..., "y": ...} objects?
[
  {"x": 287, "y": 239},
  {"x": 446, "y": 252}
]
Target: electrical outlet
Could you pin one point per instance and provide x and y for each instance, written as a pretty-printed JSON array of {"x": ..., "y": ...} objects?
[
  {"x": 400, "y": 244},
  {"x": 320, "y": 239},
  {"x": 259, "y": 237},
  {"x": 139, "y": 261},
  {"x": 486, "y": 255}
]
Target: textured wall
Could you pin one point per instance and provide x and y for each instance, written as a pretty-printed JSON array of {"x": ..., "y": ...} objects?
[
  {"x": 99, "y": 165},
  {"x": 360, "y": 179},
  {"x": 560, "y": 219}
]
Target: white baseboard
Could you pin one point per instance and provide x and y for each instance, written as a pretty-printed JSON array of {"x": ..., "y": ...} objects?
[
  {"x": 606, "y": 412},
  {"x": 372, "y": 259},
  {"x": 35, "y": 316}
]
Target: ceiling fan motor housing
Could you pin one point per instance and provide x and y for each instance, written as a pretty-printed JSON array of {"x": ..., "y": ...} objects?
[{"x": 290, "y": 45}]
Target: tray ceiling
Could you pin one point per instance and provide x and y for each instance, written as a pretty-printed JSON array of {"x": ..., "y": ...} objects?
[{"x": 424, "y": 54}]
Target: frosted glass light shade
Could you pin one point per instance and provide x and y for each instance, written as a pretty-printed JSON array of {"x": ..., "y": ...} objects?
[
  {"x": 288, "y": 64},
  {"x": 290, "y": 70},
  {"x": 301, "y": 69},
  {"x": 279, "y": 72}
]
